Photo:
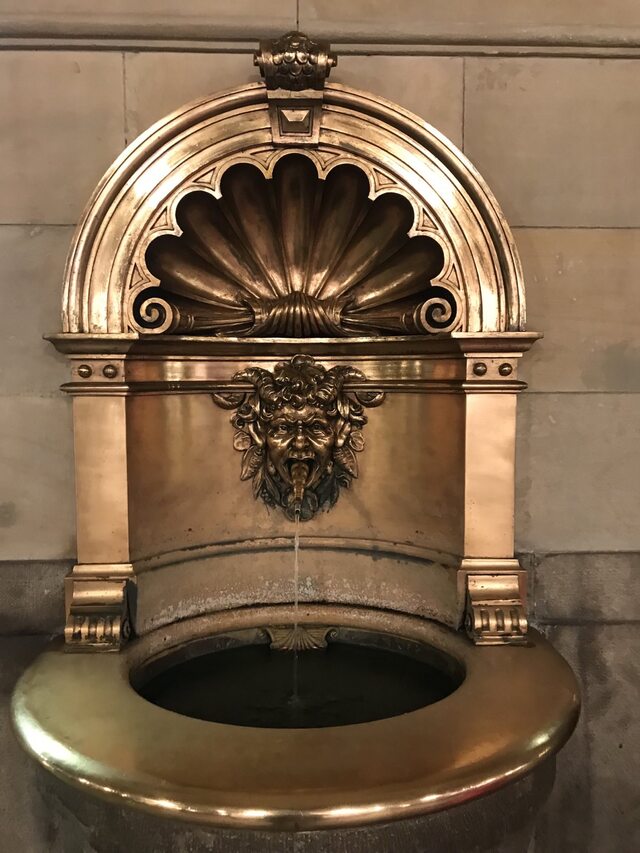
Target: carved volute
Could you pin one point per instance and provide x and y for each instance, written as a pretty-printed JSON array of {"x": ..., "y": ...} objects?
[
  {"x": 294, "y": 301},
  {"x": 300, "y": 208},
  {"x": 295, "y": 62},
  {"x": 294, "y": 314}
]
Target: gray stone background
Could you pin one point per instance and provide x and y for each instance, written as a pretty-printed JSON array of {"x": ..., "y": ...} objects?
[{"x": 544, "y": 98}]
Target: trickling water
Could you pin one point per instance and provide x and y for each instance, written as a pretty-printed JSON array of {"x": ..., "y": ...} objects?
[
  {"x": 296, "y": 571},
  {"x": 295, "y": 698}
]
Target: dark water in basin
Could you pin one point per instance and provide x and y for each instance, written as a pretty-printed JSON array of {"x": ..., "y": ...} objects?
[{"x": 340, "y": 685}]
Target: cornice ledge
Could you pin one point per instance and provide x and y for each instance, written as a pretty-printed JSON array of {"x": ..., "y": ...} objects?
[{"x": 134, "y": 345}]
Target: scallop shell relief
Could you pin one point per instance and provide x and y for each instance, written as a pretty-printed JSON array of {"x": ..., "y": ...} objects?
[{"x": 294, "y": 256}]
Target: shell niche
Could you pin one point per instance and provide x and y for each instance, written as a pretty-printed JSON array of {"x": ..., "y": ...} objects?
[{"x": 296, "y": 256}]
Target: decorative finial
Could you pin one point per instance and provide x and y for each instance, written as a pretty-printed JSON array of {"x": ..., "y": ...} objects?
[{"x": 295, "y": 62}]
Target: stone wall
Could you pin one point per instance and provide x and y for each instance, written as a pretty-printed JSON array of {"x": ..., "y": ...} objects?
[{"x": 545, "y": 100}]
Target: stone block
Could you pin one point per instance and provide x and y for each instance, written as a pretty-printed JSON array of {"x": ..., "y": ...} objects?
[
  {"x": 518, "y": 21},
  {"x": 37, "y": 518},
  {"x": 556, "y": 139},
  {"x": 61, "y": 126},
  {"x": 31, "y": 295},
  {"x": 594, "y": 805},
  {"x": 582, "y": 293},
  {"x": 147, "y": 19},
  {"x": 158, "y": 83},
  {"x": 32, "y": 596},
  {"x": 23, "y": 822},
  {"x": 577, "y": 484},
  {"x": 431, "y": 87},
  {"x": 587, "y": 587}
]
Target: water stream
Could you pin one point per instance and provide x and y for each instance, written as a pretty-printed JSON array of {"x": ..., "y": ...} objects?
[
  {"x": 295, "y": 698},
  {"x": 349, "y": 682}
]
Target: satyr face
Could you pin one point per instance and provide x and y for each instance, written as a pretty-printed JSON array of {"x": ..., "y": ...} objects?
[
  {"x": 299, "y": 431},
  {"x": 303, "y": 435}
]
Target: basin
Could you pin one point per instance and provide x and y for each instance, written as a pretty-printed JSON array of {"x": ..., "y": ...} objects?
[{"x": 294, "y": 314}]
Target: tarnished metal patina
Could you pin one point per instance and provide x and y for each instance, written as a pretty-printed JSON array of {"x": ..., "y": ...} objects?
[
  {"x": 295, "y": 62},
  {"x": 298, "y": 637},
  {"x": 299, "y": 430},
  {"x": 295, "y": 248},
  {"x": 300, "y": 251},
  {"x": 296, "y": 256}
]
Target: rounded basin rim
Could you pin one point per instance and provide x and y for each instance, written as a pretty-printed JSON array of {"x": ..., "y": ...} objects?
[{"x": 64, "y": 747}]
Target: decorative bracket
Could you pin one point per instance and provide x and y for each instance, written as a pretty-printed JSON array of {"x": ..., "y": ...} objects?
[
  {"x": 97, "y": 609},
  {"x": 295, "y": 68},
  {"x": 495, "y": 613}
]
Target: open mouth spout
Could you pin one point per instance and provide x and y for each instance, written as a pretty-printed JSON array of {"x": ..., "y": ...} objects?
[{"x": 301, "y": 472}]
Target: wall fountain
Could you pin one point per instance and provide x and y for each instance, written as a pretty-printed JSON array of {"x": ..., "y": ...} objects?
[{"x": 294, "y": 314}]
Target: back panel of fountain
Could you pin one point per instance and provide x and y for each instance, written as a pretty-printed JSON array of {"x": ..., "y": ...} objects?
[{"x": 279, "y": 292}]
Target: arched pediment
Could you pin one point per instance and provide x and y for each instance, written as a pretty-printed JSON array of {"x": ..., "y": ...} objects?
[{"x": 470, "y": 282}]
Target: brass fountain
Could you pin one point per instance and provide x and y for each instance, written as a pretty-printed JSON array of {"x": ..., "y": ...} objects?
[{"x": 294, "y": 306}]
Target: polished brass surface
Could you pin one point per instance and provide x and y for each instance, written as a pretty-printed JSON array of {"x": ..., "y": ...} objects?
[
  {"x": 98, "y": 590},
  {"x": 158, "y": 480},
  {"x": 402, "y": 349},
  {"x": 98, "y": 607},
  {"x": 299, "y": 430},
  {"x": 139, "y": 199},
  {"x": 495, "y": 611},
  {"x": 283, "y": 218},
  {"x": 297, "y": 257},
  {"x": 189, "y": 364},
  {"x": 299, "y": 250},
  {"x": 294, "y": 62},
  {"x": 516, "y": 706},
  {"x": 186, "y": 499},
  {"x": 295, "y": 69}
]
